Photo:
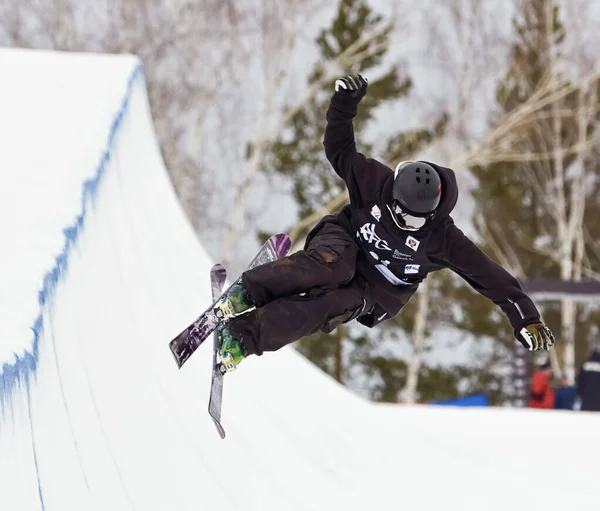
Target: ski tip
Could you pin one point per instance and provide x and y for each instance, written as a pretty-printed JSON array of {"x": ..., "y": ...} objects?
[
  {"x": 179, "y": 359},
  {"x": 217, "y": 268},
  {"x": 220, "y": 429}
]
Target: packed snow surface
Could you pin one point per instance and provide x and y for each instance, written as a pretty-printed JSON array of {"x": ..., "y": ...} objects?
[{"x": 101, "y": 269}]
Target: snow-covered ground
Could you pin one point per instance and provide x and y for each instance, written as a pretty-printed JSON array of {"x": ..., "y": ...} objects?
[{"x": 101, "y": 269}]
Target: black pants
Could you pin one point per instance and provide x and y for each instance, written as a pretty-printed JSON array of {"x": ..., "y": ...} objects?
[{"x": 311, "y": 290}]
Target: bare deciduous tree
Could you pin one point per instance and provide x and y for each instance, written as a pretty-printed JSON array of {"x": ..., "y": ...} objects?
[
  {"x": 277, "y": 48},
  {"x": 550, "y": 138},
  {"x": 188, "y": 50}
]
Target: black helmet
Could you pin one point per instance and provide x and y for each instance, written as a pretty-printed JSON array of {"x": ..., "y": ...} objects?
[{"x": 417, "y": 188}]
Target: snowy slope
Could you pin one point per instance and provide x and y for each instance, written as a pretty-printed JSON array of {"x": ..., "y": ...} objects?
[{"x": 95, "y": 414}]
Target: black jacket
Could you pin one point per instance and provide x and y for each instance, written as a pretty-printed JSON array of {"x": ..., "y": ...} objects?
[
  {"x": 394, "y": 261},
  {"x": 588, "y": 383}
]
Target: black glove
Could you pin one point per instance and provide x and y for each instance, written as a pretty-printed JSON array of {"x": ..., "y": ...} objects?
[
  {"x": 536, "y": 336},
  {"x": 354, "y": 85}
]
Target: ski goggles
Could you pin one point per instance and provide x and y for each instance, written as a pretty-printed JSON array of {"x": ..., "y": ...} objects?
[{"x": 406, "y": 220}]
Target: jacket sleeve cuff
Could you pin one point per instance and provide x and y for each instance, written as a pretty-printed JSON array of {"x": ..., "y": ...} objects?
[
  {"x": 343, "y": 98},
  {"x": 521, "y": 311}
]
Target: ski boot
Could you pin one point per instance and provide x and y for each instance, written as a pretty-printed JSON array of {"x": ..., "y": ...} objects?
[
  {"x": 232, "y": 351},
  {"x": 235, "y": 302}
]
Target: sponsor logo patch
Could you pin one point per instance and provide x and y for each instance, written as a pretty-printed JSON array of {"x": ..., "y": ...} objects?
[
  {"x": 376, "y": 212},
  {"x": 412, "y": 243},
  {"x": 412, "y": 268}
]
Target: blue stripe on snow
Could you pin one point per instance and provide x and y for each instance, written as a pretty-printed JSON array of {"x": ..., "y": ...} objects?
[
  {"x": 25, "y": 365},
  {"x": 33, "y": 446}
]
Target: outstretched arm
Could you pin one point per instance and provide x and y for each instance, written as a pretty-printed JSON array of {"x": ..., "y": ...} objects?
[
  {"x": 340, "y": 146},
  {"x": 488, "y": 278}
]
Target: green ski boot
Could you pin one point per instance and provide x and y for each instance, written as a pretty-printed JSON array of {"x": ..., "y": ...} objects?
[
  {"x": 232, "y": 351},
  {"x": 235, "y": 302}
]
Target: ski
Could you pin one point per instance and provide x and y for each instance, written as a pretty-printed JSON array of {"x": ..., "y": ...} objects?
[
  {"x": 218, "y": 371},
  {"x": 187, "y": 342},
  {"x": 218, "y": 275}
]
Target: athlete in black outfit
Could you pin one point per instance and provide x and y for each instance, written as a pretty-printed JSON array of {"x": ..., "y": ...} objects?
[{"x": 367, "y": 261}]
